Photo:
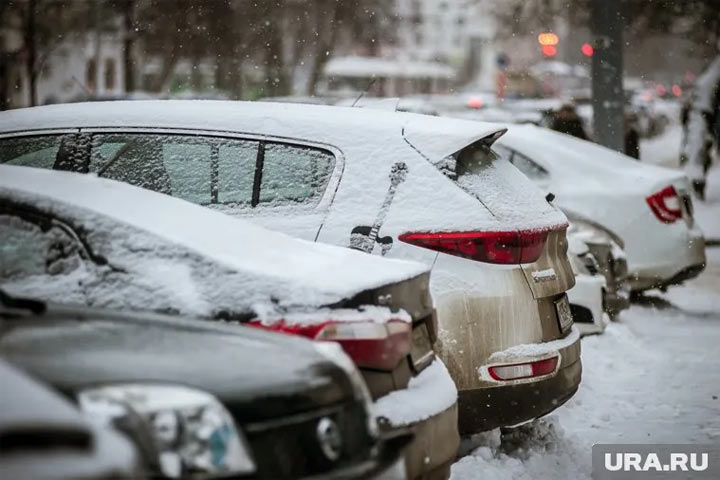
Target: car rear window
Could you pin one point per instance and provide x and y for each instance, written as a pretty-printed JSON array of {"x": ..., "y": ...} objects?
[{"x": 497, "y": 184}]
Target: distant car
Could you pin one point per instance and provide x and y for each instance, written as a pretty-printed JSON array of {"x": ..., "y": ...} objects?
[
  {"x": 45, "y": 436},
  {"x": 397, "y": 184},
  {"x": 202, "y": 400},
  {"x": 648, "y": 207},
  {"x": 115, "y": 245}
]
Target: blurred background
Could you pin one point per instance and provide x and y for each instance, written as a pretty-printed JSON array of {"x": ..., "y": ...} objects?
[{"x": 58, "y": 51}]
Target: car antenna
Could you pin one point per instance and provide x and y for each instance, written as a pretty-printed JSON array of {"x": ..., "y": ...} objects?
[{"x": 368, "y": 87}]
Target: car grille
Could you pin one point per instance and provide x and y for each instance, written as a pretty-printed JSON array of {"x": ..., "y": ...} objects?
[{"x": 289, "y": 447}]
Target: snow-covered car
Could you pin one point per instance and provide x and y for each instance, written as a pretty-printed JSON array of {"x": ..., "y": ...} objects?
[
  {"x": 396, "y": 184},
  {"x": 648, "y": 207},
  {"x": 118, "y": 246},
  {"x": 180, "y": 390},
  {"x": 607, "y": 258},
  {"x": 586, "y": 297},
  {"x": 46, "y": 436}
]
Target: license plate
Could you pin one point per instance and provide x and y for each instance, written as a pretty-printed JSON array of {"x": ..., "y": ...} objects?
[
  {"x": 421, "y": 350},
  {"x": 564, "y": 314}
]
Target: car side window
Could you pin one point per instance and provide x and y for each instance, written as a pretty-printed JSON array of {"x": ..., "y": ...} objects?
[
  {"x": 36, "y": 151},
  {"x": 28, "y": 250},
  {"x": 198, "y": 169},
  {"x": 294, "y": 174},
  {"x": 503, "y": 152},
  {"x": 531, "y": 169}
]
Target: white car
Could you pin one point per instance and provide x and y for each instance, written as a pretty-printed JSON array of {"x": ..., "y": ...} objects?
[
  {"x": 587, "y": 296},
  {"x": 649, "y": 207},
  {"x": 396, "y": 184},
  {"x": 119, "y": 246}
]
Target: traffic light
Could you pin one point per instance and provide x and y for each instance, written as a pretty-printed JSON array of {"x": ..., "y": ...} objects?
[
  {"x": 587, "y": 50},
  {"x": 547, "y": 42}
]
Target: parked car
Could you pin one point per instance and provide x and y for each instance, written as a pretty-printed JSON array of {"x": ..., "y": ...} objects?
[
  {"x": 648, "y": 207},
  {"x": 606, "y": 255},
  {"x": 184, "y": 392},
  {"x": 586, "y": 297},
  {"x": 397, "y": 184},
  {"x": 45, "y": 436},
  {"x": 113, "y": 245}
]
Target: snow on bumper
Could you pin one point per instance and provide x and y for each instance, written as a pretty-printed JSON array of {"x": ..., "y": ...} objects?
[
  {"x": 531, "y": 352},
  {"x": 428, "y": 394}
]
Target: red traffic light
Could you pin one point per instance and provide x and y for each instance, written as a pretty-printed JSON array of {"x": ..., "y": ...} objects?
[
  {"x": 587, "y": 50},
  {"x": 549, "y": 50}
]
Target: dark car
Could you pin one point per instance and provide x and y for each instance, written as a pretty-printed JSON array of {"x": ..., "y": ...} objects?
[
  {"x": 97, "y": 242},
  {"x": 42, "y": 435},
  {"x": 203, "y": 398}
]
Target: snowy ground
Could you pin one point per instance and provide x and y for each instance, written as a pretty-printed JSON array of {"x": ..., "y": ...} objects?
[{"x": 652, "y": 377}]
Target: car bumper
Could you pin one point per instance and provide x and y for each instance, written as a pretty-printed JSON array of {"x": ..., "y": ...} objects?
[
  {"x": 586, "y": 301},
  {"x": 429, "y": 410},
  {"x": 512, "y": 404},
  {"x": 680, "y": 260}
]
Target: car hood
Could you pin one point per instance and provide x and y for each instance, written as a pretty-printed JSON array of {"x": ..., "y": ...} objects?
[
  {"x": 247, "y": 261},
  {"x": 256, "y": 374}
]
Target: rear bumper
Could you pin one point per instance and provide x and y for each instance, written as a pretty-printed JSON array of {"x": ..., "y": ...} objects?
[
  {"x": 646, "y": 280},
  {"x": 681, "y": 258},
  {"x": 434, "y": 447},
  {"x": 507, "y": 405}
]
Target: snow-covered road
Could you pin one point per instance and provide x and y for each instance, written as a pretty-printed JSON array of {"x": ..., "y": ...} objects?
[{"x": 652, "y": 377}]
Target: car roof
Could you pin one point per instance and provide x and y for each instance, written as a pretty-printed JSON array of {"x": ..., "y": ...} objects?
[
  {"x": 312, "y": 273},
  {"x": 339, "y": 126}
]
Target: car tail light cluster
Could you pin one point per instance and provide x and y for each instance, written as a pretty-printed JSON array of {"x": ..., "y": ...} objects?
[
  {"x": 665, "y": 204},
  {"x": 370, "y": 344},
  {"x": 523, "y": 246},
  {"x": 523, "y": 370}
]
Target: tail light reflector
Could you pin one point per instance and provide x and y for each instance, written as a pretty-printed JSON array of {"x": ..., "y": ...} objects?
[
  {"x": 524, "y": 246},
  {"x": 665, "y": 204},
  {"x": 369, "y": 344},
  {"x": 523, "y": 370}
]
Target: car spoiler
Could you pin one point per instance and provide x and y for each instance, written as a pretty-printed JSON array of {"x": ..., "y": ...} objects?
[{"x": 436, "y": 138}]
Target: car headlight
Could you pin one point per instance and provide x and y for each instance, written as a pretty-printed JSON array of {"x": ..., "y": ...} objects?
[
  {"x": 334, "y": 352},
  {"x": 192, "y": 431}
]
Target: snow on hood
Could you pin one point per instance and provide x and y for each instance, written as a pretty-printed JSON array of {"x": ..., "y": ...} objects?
[{"x": 204, "y": 259}]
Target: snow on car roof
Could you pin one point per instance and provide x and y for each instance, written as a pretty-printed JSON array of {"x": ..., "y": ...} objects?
[
  {"x": 578, "y": 159},
  {"x": 309, "y": 273},
  {"x": 339, "y": 126}
]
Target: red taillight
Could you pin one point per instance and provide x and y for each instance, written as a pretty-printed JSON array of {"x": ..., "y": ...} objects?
[
  {"x": 523, "y": 370},
  {"x": 523, "y": 246},
  {"x": 665, "y": 204},
  {"x": 369, "y": 344}
]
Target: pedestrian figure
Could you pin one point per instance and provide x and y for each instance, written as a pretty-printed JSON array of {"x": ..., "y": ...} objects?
[{"x": 566, "y": 120}]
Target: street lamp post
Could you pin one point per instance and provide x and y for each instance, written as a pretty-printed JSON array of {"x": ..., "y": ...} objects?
[{"x": 607, "y": 73}]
